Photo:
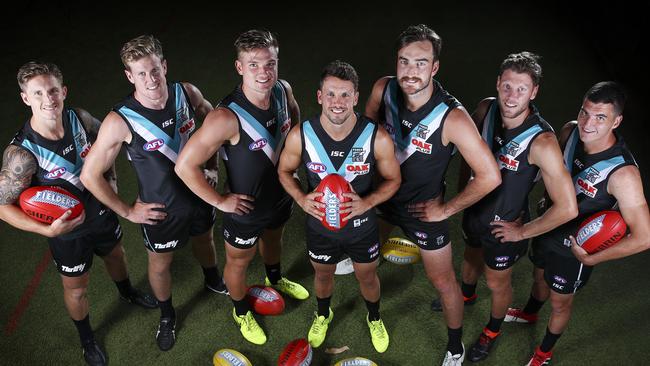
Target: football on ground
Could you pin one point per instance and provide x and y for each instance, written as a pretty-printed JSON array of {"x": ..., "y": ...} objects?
[
  {"x": 265, "y": 300},
  {"x": 601, "y": 231},
  {"x": 355, "y": 361},
  {"x": 230, "y": 357},
  {"x": 332, "y": 187},
  {"x": 297, "y": 353},
  {"x": 400, "y": 251},
  {"x": 48, "y": 203}
]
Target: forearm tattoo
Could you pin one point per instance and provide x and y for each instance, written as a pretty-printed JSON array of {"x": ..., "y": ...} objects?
[{"x": 18, "y": 167}]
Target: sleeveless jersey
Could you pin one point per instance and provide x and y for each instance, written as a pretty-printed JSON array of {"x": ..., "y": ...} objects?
[
  {"x": 251, "y": 164},
  {"x": 418, "y": 143},
  {"x": 157, "y": 138},
  {"x": 352, "y": 158},
  {"x": 511, "y": 148},
  {"x": 60, "y": 163},
  {"x": 590, "y": 174}
]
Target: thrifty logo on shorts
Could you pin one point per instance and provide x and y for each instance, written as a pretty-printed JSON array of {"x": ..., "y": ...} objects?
[{"x": 169, "y": 244}]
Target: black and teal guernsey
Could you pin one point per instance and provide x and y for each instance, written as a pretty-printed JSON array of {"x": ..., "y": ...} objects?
[
  {"x": 511, "y": 148},
  {"x": 60, "y": 163},
  {"x": 590, "y": 174},
  {"x": 352, "y": 158},
  {"x": 251, "y": 163},
  {"x": 157, "y": 138},
  {"x": 417, "y": 136}
]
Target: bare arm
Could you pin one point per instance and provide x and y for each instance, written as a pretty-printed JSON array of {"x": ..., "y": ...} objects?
[
  {"x": 289, "y": 163},
  {"x": 388, "y": 168},
  {"x": 201, "y": 105},
  {"x": 545, "y": 153},
  {"x": 92, "y": 125},
  {"x": 624, "y": 184},
  {"x": 220, "y": 126},
  {"x": 112, "y": 133},
  {"x": 18, "y": 167},
  {"x": 563, "y": 136},
  {"x": 294, "y": 109},
  {"x": 374, "y": 101},
  {"x": 464, "y": 172}
]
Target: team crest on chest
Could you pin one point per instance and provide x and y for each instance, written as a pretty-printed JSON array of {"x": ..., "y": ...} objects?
[
  {"x": 187, "y": 124},
  {"x": 507, "y": 160},
  {"x": 358, "y": 167},
  {"x": 419, "y": 141},
  {"x": 587, "y": 185}
]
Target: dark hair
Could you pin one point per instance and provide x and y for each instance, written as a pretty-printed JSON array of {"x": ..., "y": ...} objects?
[
  {"x": 33, "y": 69},
  {"x": 420, "y": 32},
  {"x": 609, "y": 92},
  {"x": 523, "y": 62},
  {"x": 254, "y": 39},
  {"x": 341, "y": 70}
]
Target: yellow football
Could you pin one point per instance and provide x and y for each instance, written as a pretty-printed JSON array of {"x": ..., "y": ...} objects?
[
  {"x": 230, "y": 357},
  {"x": 355, "y": 361},
  {"x": 400, "y": 251}
]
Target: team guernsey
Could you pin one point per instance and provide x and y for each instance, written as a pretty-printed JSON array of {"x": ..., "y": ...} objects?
[
  {"x": 157, "y": 138},
  {"x": 251, "y": 164},
  {"x": 60, "y": 163},
  {"x": 352, "y": 158},
  {"x": 590, "y": 174},
  {"x": 417, "y": 136},
  {"x": 511, "y": 149}
]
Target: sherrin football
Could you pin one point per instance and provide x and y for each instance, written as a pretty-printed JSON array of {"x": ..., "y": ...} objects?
[
  {"x": 355, "y": 361},
  {"x": 601, "y": 231},
  {"x": 265, "y": 300},
  {"x": 48, "y": 203},
  {"x": 230, "y": 357},
  {"x": 400, "y": 251},
  {"x": 297, "y": 353},
  {"x": 332, "y": 187}
]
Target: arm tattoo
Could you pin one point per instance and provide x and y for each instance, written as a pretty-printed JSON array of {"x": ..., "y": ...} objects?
[{"x": 18, "y": 167}]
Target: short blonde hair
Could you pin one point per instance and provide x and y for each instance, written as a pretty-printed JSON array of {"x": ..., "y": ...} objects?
[
  {"x": 33, "y": 69},
  {"x": 139, "y": 47}
]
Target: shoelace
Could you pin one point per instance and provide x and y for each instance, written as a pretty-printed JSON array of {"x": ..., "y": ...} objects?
[
  {"x": 250, "y": 323},
  {"x": 539, "y": 359},
  {"x": 377, "y": 328},
  {"x": 318, "y": 323}
]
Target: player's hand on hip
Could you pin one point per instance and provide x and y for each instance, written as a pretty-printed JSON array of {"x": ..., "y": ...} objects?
[
  {"x": 62, "y": 225},
  {"x": 239, "y": 204},
  {"x": 508, "y": 231},
  {"x": 580, "y": 253},
  {"x": 355, "y": 207},
  {"x": 311, "y": 206},
  {"x": 432, "y": 210},
  {"x": 146, "y": 213}
]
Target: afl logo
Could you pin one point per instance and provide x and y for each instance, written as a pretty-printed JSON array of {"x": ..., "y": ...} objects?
[
  {"x": 315, "y": 167},
  {"x": 56, "y": 173},
  {"x": 257, "y": 145},
  {"x": 153, "y": 145}
]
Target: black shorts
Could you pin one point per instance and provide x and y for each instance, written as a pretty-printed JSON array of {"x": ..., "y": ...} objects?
[
  {"x": 329, "y": 251},
  {"x": 244, "y": 235},
  {"x": 176, "y": 229},
  {"x": 563, "y": 273},
  {"x": 426, "y": 235},
  {"x": 496, "y": 255},
  {"x": 74, "y": 257}
]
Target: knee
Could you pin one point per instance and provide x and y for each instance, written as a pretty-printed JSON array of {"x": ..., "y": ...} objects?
[
  {"x": 444, "y": 282},
  {"x": 499, "y": 284},
  {"x": 76, "y": 293},
  {"x": 560, "y": 306}
]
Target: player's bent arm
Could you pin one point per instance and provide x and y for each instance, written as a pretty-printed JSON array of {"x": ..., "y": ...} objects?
[
  {"x": 464, "y": 172},
  {"x": 92, "y": 125},
  {"x": 220, "y": 125},
  {"x": 625, "y": 184},
  {"x": 201, "y": 105},
  {"x": 461, "y": 131},
  {"x": 18, "y": 167},
  {"x": 294, "y": 109},
  {"x": 388, "y": 168},
  {"x": 374, "y": 100},
  {"x": 288, "y": 165},
  {"x": 546, "y": 154}
]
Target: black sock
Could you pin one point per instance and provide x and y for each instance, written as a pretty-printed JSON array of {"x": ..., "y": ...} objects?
[
  {"x": 373, "y": 310},
  {"x": 324, "y": 306},
  {"x": 494, "y": 325},
  {"x": 468, "y": 290},
  {"x": 166, "y": 308},
  {"x": 124, "y": 287},
  {"x": 84, "y": 330},
  {"x": 212, "y": 276},
  {"x": 549, "y": 341},
  {"x": 455, "y": 345},
  {"x": 273, "y": 272},
  {"x": 533, "y": 305},
  {"x": 241, "y": 306}
]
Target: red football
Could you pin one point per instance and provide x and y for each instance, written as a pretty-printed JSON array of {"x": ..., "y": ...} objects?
[
  {"x": 265, "y": 300},
  {"x": 332, "y": 187},
  {"x": 297, "y": 353},
  {"x": 48, "y": 203},
  {"x": 601, "y": 231}
]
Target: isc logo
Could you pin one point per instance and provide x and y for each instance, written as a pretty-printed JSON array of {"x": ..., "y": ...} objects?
[
  {"x": 55, "y": 173},
  {"x": 315, "y": 167},
  {"x": 153, "y": 145},
  {"x": 189, "y": 126},
  {"x": 257, "y": 145}
]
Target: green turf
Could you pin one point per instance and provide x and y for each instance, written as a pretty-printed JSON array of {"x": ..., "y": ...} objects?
[{"x": 610, "y": 322}]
